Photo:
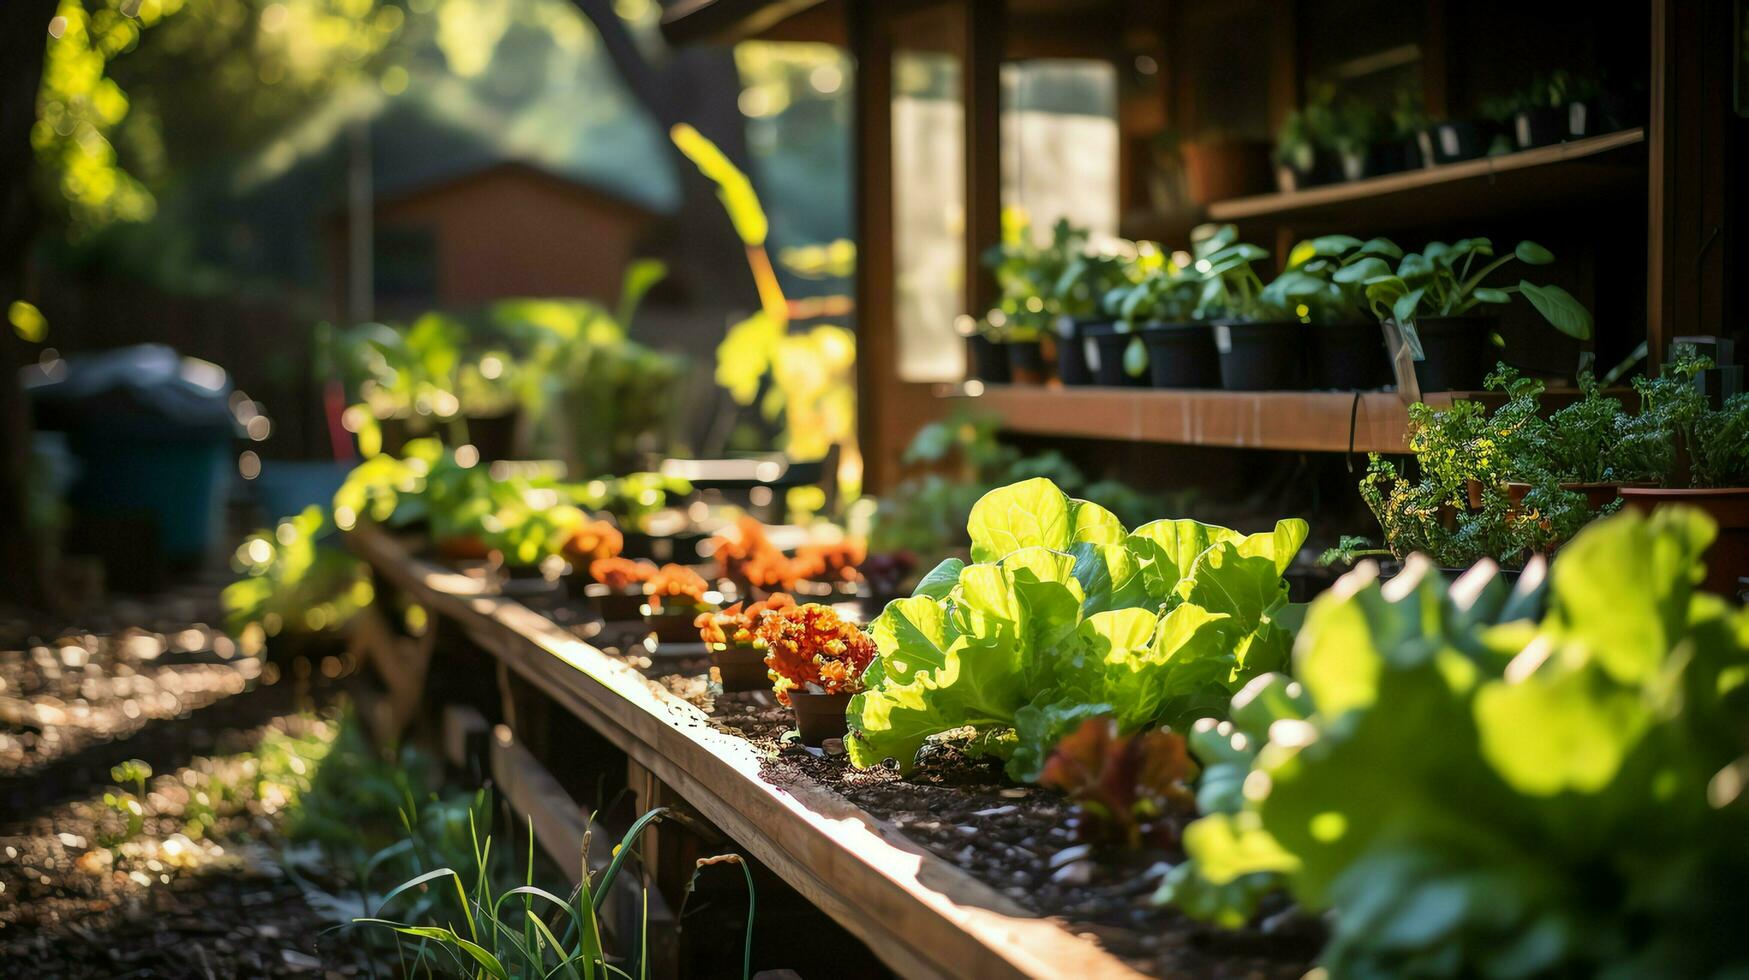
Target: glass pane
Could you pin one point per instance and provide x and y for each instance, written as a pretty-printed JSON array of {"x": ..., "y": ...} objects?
[
  {"x": 929, "y": 206},
  {"x": 1060, "y": 143}
]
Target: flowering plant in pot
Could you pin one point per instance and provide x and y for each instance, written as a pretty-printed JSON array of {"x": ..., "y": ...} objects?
[
  {"x": 1700, "y": 456},
  {"x": 594, "y": 541},
  {"x": 831, "y": 565},
  {"x": 675, "y": 597},
  {"x": 817, "y": 662},
  {"x": 618, "y": 590},
  {"x": 1321, "y": 288},
  {"x": 732, "y": 635},
  {"x": 746, "y": 556},
  {"x": 1438, "y": 298},
  {"x": 1259, "y": 346}
]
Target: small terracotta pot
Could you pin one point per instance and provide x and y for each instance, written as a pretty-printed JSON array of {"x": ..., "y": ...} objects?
[
  {"x": 819, "y": 716},
  {"x": 1727, "y": 561},
  {"x": 741, "y": 668}
]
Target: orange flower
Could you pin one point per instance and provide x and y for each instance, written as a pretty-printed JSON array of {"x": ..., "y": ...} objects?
[
  {"x": 834, "y": 562},
  {"x": 737, "y": 626},
  {"x": 810, "y": 648},
  {"x": 620, "y": 574},
  {"x": 746, "y": 554},
  {"x": 679, "y": 585}
]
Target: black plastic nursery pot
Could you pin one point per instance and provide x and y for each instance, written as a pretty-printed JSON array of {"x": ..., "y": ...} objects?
[
  {"x": 819, "y": 716},
  {"x": 989, "y": 360},
  {"x": 1026, "y": 362},
  {"x": 1105, "y": 346},
  {"x": 1182, "y": 355},
  {"x": 741, "y": 668},
  {"x": 1349, "y": 356},
  {"x": 1452, "y": 142},
  {"x": 1392, "y": 156},
  {"x": 1262, "y": 356},
  {"x": 1072, "y": 368},
  {"x": 1542, "y": 126},
  {"x": 1458, "y": 352}
]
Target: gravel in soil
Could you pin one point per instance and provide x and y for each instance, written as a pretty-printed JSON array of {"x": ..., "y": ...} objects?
[
  {"x": 1014, "y": 838},
  {"x": 145, "y": 764}
]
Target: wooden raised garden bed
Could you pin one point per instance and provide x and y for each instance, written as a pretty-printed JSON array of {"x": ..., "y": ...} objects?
[{"x": 931, "y": 900}]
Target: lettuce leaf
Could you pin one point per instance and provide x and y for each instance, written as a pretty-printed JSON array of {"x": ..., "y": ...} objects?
[{"x": 1065, "y": 615}]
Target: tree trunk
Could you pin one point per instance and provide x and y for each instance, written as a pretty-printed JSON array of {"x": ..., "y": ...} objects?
[
  {"x": 23, "y": 43},
  {"x": 697, "y": 85}
]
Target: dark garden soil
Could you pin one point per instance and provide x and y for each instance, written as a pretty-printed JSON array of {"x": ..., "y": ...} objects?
[
  {"x": 1016, "y": 839},
  {"x": 193, "y": 884}
]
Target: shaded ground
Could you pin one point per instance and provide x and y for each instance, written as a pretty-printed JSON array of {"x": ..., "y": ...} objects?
[{"x": 147, "y": 769}]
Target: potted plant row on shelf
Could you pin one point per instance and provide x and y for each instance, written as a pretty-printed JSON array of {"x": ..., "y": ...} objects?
[{"x": 1208, "y": 319}]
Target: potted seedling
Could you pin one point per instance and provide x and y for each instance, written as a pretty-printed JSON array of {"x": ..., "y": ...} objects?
[
  {"x": 591, "y": 542},
  {"x": 1079, "y": 296},
  {"x": 1543, "y": 113},
  {"x": 1260, "y": 348},
  {"x": 732, "y": 636},
  {"x": 1302, "y": 154},
  {"x": 1319, "y": 288},
  {"x": 816, "y": 660},
  {"x": 1438, "y": 298},
  {"x": 1452, "y": 141},
  {"x": 617, "y": 594},
  {"x": 1026, "y": 276},
  {"x": 747, "y": 558},
  {"x": 1701, "y": 456},
  {"x": 1398, "y": 147},
  {"x": 674, "y": 598},
  {"x": 1178, "y": 351}
]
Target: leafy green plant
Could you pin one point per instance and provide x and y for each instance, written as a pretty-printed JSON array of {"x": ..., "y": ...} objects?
[
  {"x": 294, "y": 581},
  {"x": 1166, "y": 294},
  {"x": 1320, "y": 285},
  {"x": 1469, "y": 787},
  {"x": 1438, "y": 282},
  {"x": 1678, "y": 439},
  {"x": 1066, "y": 615},
  {"x": 1027, "y": 275},
  {"x": 1231, "y": 288},
  {"x": 1349, "y": 549}
]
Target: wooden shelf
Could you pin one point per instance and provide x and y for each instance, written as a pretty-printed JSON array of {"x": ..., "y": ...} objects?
[
  {"x": 1546, "y": 177},
  {"x": 920, "y": 914},
  {"x": 1309, "y": 421}
]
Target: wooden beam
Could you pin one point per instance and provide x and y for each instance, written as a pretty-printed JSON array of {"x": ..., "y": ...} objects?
[{"x": 985, "y": 47}]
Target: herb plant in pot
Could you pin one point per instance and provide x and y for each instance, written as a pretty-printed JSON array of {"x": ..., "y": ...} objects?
[
  {"x": 1702, "y": 456},
  {"x": 1452, "y": 141},
  {"x": 817, "y": 660},
  {"x": 1303, "y": 156},
  {"x": 1323, "y": 287},
  {"x": 1260, "y": 349},
  {"x": 1443, "y": 308},
  {"x": 987, "y": 358},
  {"x": 1177, "y": 351},
  {"x": 732, "y": 636}
]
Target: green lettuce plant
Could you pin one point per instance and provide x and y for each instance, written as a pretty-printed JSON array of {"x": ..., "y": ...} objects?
[
  {"x": 1469, "y": 786},
  {"x": 293, "y": 581},
  {"x": 1065, "y": 615}
]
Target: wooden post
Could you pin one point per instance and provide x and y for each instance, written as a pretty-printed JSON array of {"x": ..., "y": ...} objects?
[{"x": 982, "y": 97}]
